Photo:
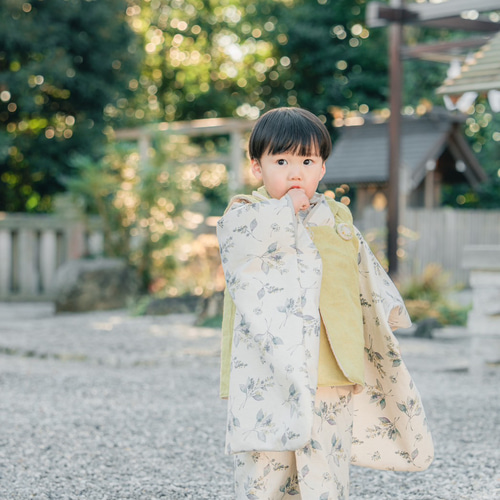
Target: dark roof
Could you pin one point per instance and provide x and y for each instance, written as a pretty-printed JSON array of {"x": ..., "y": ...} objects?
[{"x": 360, "y": 155}]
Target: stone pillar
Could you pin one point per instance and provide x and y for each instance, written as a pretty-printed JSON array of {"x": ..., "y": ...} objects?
[{"x": 483, "y": 321}]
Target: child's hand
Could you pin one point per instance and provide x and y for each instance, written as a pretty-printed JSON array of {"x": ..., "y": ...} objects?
[{"x": 299, "y": 199}]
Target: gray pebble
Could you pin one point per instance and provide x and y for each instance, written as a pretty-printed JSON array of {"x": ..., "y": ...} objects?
[{"x": 101, "y": 405}]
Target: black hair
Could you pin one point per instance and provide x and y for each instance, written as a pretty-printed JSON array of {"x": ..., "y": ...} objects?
[{"x": 289, "y": 130}]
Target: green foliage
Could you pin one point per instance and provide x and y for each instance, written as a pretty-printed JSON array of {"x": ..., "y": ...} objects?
[
  {"x": 335, "y": 61},
  {"x": 61, "y": 64},
  {"x": 96, "y": 186},
  {"x": 452, "y": 314},
  {"x": 206, "y": 59},
  {"x": 430, "y": 286},
  {"x": 70, "y": 68},
  {"x": 151, "y": 210},
  {"x": 421, "y": 77},
  {"x": 212, "y": 322},
  {"x": 203, "y": 58},
  {"x": 140, "y": 306},
  {"x": 137, "y": 203},
  {"x": 482, "y": 128},
  {"x": 426, "y": 297}
]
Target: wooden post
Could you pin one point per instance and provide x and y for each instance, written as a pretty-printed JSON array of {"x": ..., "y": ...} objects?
[
  {"x": 48, "y": 264},
  {"x": 429, "y": 199},
  {"x": 235, "y": 179},
  {"x": 144, "y": 143},
  {"x": 28, "y": 272},
  {"x": 95, "y": 243},
  {"x": 5, "y": 262},
  {"x": 75, "y": 239},
  {"x": 442, "y": 14},
  {"x": 396, "y": 77}
]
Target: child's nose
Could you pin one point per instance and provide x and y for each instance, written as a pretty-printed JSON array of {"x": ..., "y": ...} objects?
[{"x": 295, "y": 171}]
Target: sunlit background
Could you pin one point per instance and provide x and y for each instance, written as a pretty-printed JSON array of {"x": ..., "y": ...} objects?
[{"x": 90, "y": 90}]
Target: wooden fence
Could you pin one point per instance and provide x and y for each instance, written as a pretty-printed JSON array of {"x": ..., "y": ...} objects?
[
  {"x": 32, "y": 247},
  {"x": 439, "y": 236}
]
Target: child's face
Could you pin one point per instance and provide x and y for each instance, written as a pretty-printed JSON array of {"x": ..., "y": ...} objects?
[{"x": 285, "y": 171}]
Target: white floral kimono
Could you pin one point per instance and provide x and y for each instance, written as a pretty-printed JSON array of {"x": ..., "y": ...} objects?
[{"x": 273, "y": 272}]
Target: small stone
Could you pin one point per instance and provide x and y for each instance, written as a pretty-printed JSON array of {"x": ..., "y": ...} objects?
[{"x": 94, "y": 284}]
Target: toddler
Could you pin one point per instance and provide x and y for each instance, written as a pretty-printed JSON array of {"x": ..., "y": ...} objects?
[{"x": 310, "y": 367}]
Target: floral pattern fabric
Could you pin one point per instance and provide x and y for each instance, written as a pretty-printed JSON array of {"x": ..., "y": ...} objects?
[
  {"x": 390, "y": 428},
  {"x": 273, "y": 273},
  {"x": 318, "y": 471}
]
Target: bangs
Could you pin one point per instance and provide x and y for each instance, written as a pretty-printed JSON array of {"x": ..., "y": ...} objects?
[
  {"x": 290, "y": 130},
  {"x": 296, "y": 145}
]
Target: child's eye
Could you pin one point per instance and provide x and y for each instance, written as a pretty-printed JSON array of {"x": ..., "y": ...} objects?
[
  {"x": 282, "y": 162},
  {"x": 308, "y": 162}
]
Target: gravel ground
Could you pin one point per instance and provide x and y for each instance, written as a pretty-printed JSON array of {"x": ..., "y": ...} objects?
[{"x": 105, "y": 406}]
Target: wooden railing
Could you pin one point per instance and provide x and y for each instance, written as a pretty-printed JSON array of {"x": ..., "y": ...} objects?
[{"x": 32, "y": 247}]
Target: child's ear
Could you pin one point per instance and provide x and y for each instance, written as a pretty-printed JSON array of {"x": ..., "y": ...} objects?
[
  {"x": 256, "y": 169},
  {"x": 323, "y": 171}
]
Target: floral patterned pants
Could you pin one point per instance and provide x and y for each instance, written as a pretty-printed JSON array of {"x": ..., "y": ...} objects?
[{"x": 319, "y": 471}]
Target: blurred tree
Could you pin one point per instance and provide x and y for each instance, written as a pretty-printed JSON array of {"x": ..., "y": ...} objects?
[
  {"x": 482, "y": 128},
  {"x": 62, "y": 62},
  {"x": 334, "y": 60},
  {"x": 151, "y": 213},
  {"x": 204, "y": 58},
  {"x": 70, "y": 67},
  {"x": 338, "y": 65}
]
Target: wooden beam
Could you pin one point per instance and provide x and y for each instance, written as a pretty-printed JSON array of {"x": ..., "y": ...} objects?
[
  {"x": 458, "y": 141},
  {"x": 207, "y": 126},
  {"x": 451, "y": 14},
  {"x": 458, "y": 23},
  {"x": 380, "y": 14},
  {"x": 452, "y": 8},
  {"x": 452, "y": 48}
]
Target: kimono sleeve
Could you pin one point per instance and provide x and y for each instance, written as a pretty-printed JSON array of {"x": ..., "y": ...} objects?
[
  {"x": 382, "y": 290},
  {"x": 254, "y": 239},
  {"x": 273, "y": 274},
  {"x": 390, "y": 428}
]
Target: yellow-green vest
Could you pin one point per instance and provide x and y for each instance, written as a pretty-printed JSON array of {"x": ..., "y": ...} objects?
[{"x": 341, "y": 353}]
